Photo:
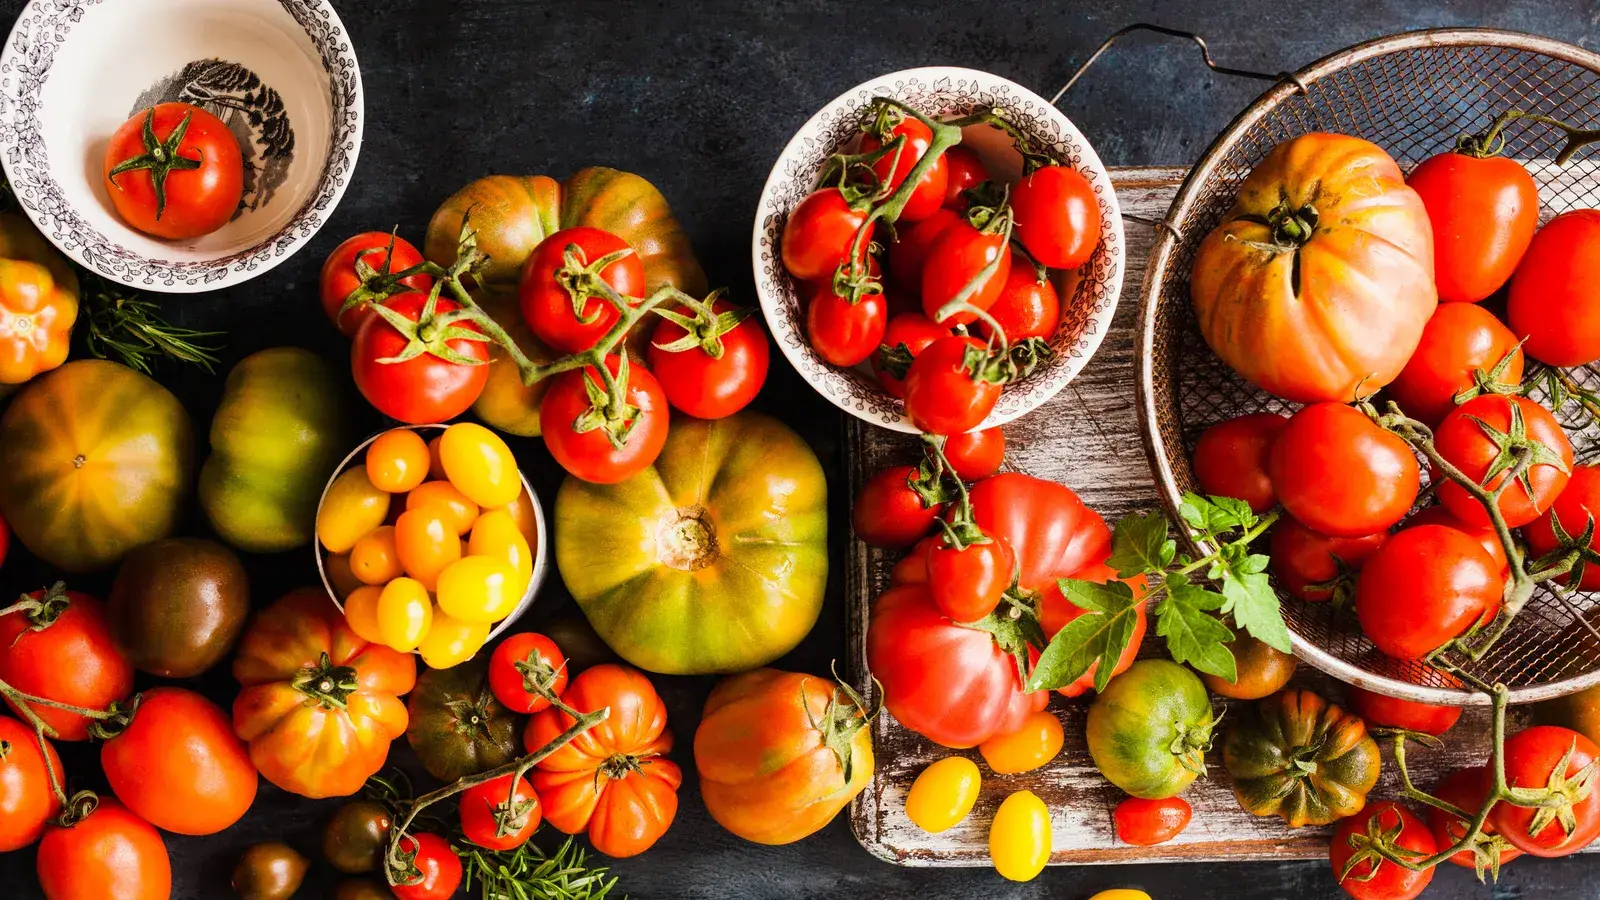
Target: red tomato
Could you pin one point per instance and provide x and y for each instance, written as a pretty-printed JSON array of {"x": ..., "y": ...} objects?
[
  {"x": 1484, "y": 534},
  {"x": 966, "y": 171},
  {"x": 889, "y": 512},
  {"x": 1484, "y": 211},
  {"x": 913, "y": 567},
  {"x": 435, "y": 872},
  {"x": 1466, "y": 790},
  {"x": 1230, "y": 459},
  {"x": 976, "y": 454},
  {"x": 1302, "y": 558},
  {"x": 179, "y": 766},
  {"x": 966, "y": 584},
  {"x": 1459, "y": 339},
  {"x": 1145, "y": 823},
  {"x": 958, "y": 258},
  {"x": 819, "y": 234},
  {"x": 1576, "y": 506},
  {"x": 1057, "y": 216},
  {"x": 1375, "y": 878},
  {"x": 906, "y": 336},
  {"x": 590, "y": 455},
  {"x": 1463, "y": 441},
  {"x": 27, "y": 800},
  {"x": 1555, "y": 294},
  {"x": 64, "y": 653},
  {"x": 1532, "y": 760},
  {"x": 425, "y": 388},
  {"x": 909, "y": 252},
  {"x": 498, "y": 814},
  {"x": 1055, "y": 611},
  {"x": 339, "y": 277},
  {"x": 1424, "y": 587},
  {"x": 1026, "y": 307},
  {"x": 719, "y": 374},
  {"x": 111, "y": 854},
  {"x": 174, "y": 189},
  {"x": 895, "y": 167},
  {"x": 1052, "y": 532},
  {"x": 549, "y": 306},
  {"x": 1392, "y": 712},
  {"x": 844, "y": 333},
  {"x": 942, "y": 395},
  {"x": 518, "y": 659},
  {"x": 1340, "y": 474}
]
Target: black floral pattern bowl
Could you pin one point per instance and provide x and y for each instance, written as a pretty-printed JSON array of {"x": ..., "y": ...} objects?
[
  {"x": 1088, "y": 295},
  {"x": 281, "y": 73}
]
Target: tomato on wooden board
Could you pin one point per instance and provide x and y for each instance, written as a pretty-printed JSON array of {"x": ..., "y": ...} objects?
[
  {"x": 1054, "y": 534},
  {"x": 590, "y": 454},
  {"x": 1484, "y": 534},
  {"x": 1425, "y": 587},
  {"x": 711, "y": 372},
  {"x": 1392, "y": 712},
  {"x": 1320, "y": 278},
  {"x": 1371, "y": 877},
  {"x": 432, "y": 871},
  {"x": 1145, "y": 823},
  {"x": 1261, "y": 669},
  {"x": 943, "y": 794},
  {"x": 908, "y": 255},
  {"x": 1466, "y": 790},
  {"x": 961, "y": 255},
  {"x": 889, "y": 512},
  {"x": 842, "y": 332},
  {"x": 1533, "y": 759},
  {"x": 1555, "y": 293},
  {"x": 179, "y": 766},
  {"x": 1297, "y": 756},
  {"x": 1019, "y": 837},
  {"x": 975, "y": 455},
  {"x": 523, "y": 659},
  {"x": 1305, "y": 561},
  {"x": 1034, "y": 744},
  {"x": 913, "y": 567},
  {"x": 1340, "y": 474},
  {"x": 904, "y": 338},
  {"x": 1055, "y": 611},
  {"x": 1460, "y": 339},
  {"x": 966, "y": 171},
  {"x": 614, "y": 780},
  {"x": 1231, "y": 458},
  {"x": 64, "y": 651},
  {"x": 341, "y": 276},
  {"x": 500, "y": 814},
  {"x": 1484, "y": 210},
  {"x": 437, "y": 384},
  {"x": 174, "y": 171},
  {"x": 966, "y": 582},
  {"x": 1058, "y": 216},
  {"x": 943, "y": 395},
  {"x": 1149, "y": 730},
  {"x": 27, "y": 801},
  {"x": 1028, "y": 306},
  {"x": 1574, "y": 508},
  {"x": 895, "y": 166},
  {"x": 1476, "y": 437},
  {"x": 819, "y": 233},
  {"x": 457, "y": 726},
  {"x": 559, "y": 265}
]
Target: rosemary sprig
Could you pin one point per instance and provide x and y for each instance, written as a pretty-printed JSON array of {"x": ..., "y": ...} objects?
[
  {"x": 132, "y": 330},
  {"x": 529, "y": 873}
]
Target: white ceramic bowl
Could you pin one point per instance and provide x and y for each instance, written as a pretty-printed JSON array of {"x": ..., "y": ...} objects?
[
  {"x": 1088, "y": 296},
  {"x": 281, "y": 73}
]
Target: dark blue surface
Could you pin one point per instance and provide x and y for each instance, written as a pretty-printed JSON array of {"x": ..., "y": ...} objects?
[{"x": 699, "y": 99}]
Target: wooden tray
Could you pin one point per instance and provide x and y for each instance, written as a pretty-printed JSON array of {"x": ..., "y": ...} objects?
[{"x": 1088, "y": 439}]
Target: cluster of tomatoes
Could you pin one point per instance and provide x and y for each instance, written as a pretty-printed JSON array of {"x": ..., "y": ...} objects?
[
  {"x": 956, "y": 293},
  {"x": 174, "y": 171}
]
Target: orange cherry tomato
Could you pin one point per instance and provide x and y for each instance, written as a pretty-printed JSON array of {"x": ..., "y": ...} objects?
[
  {"x": 397, "y": 461},
  {"x": 435, "y": 463},
  {"x": 1037, "y": 742},
  {"x": 444, "y": 498},
  {"x": 375, "y": 559},
  {"x": 361, "y": 612},
  {"x": 426, "y": 544}
]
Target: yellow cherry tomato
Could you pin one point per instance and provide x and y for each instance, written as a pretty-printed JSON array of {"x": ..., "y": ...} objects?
[
  {"x": 447, "y": 500},
  {"x": 496, "y": 535},
  {"x": 478, "y": 462},
  {"x": 425, "y": 543},
  {"x": 352, "y": 507},
  {"x": 404, "y": 613},
  {"x": 943, "y": 794},
  {"x": 435, "y": 464},
  {"x": 1029, "y": 747},
  {"x": 479, "y": 589},
  {"x": 397, "y": 460},
  {"x": 375, "y": 559},
  {"x": 1019, "y": 836},
  {"x": 344, "y": 581},
  {"x": 521, "y": 509},
  {"x": 1121, "y": 894},
  {"x": 451, "y": 641},
  {"x": 361, "y": 611}
]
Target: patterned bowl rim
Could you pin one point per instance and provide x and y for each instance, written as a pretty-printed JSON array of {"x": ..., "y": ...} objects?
[
  {"x": 865, "y": 399},
  {"x": 1161, "y": 257},
  {"x": 26, "y": 159}
]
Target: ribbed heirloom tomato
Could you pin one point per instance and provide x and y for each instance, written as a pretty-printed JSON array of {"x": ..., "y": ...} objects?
[
  {"x": 1340, "y": 474},
  {"x": 1480, "y": 436},
  {"x": 178, "y": 764},
  {"x": 1484, "y": 210},
  {"x": 1230, "y": 459},
  {"x": 341, "y": 277},
  {"x": 1425, "y": 587},
  {"x": 1458, "y": 341},
  {"x": 567, "y": 262},
  {"x": 63, "y": 651}
]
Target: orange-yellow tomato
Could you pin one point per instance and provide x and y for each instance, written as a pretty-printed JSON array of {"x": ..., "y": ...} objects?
[
  {"x": 426, "y": 544},
  {"x": 361, "y": 612},
  {"x": 404, "y": 614},
  {"x": 478, "y": 462},
  {"x": 397, "y": 461},
  {"x": 352, "y": 507},
  {"x": 496, "y": 535},
  {"x": 943, "y": 794},
  {"x": 447, "y": 501},
  {"x": 1029, "y": 747},
  {"x": 521, "y": 509},
  {"x": 344, "y": 581},
  {"x": 451, "y": 641},
  {"x": 480, "y": 589},
  {"x": 375, "y": 559}
]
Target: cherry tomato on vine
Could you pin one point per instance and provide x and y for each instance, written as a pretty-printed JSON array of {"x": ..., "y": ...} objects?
[
  {"x": 943, "y": 794},
  {"x": 1466, "y": 789},
  {"x": 1533, "y": 759},
  {"x": 1484, "y": 534},
  {"x": 719, "y": 370},
  {"x": 966, "y": 171},
  {"x": 64, "y": 652},
  {"x": 1305, "y": 561},
  {"x": 1371, "y": 877},
  {"x": 1576, "y": 506},
  {"x": 568, "y": 258},
  {"x": 913, "y": 567},
  {"x": 1145, "y": 823},
  {"x": 1484, "y": 211},
  {"x": 541, "y": 656},
  {"x": 906, "y": 336},
  {"x": 928, "y": 195},
  {"x": 500, "y": 814},
  {"x": 1392, "y": 712},
  {"x": 1057, "y": 216},
  {"x": 966, "y": 583},
  {"x": 174, "y": 171},
  {"x": 1555, "y": 293},
  {"x": 435, "y": 871},
  {"x": 1026, "y": 307},
  {"x": 1035, "y": 744},
  {"x": 397, "y": 461},
  {"x": 27, "y": 800},
  {"x": 976, "y": 454},
  {"x": 110, "y": 853},
  {"x": 428, "y": 387},
  {"x": 340, "y": 279},
  {"x": 889, "y": 512},
  {"x": 1424, "y": 587},
  {"x": 573, "y": 400},
  {"x": 842, "y": 332},
  {"x": 1230, "y": 459},
  {"x": 908, "y": 255},
  {"x": 942, "y": 395},
  {"x": 1340, "y": 474},
  {"x": 1019, "y": 837},
  {"x": 961, "y": 255},
  {"x": 1476, "y": 437},
  {"x": 1458, "y": 340},
  {"x": 819, "y": 234}
]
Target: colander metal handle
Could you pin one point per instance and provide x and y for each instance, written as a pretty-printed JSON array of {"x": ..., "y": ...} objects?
[{"x": 1205, "y": 54}]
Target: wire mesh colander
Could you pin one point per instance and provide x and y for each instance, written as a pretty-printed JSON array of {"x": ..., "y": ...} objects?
[{"x": 1412, "y": 94}]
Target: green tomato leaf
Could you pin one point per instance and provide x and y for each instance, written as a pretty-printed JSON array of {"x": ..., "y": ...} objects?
[
  {"x": 1102, "y": 633},
  {"x": 1254, "y": 607},
  {"x": 1194, "y": 636},
  {"x": 1140, "y": 544},
  {"x": 1236, "y": 511}
]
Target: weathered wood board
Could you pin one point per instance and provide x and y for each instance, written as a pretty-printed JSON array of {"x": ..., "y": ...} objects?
[{"x": 1087, "y": 438}]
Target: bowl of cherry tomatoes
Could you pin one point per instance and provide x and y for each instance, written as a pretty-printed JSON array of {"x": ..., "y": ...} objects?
[
  {"x": 431, "y": 540},
  {"x": 938, "y": 203},
  {"x": 186, "y": 157}
]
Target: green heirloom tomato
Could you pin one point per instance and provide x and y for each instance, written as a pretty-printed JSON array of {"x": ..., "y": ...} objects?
[
  {"x": 274, "y": 442},
  {"x": 1149, "y": 731},
  {"x": 457, "y": 726},
  {"x": 713, "y": 560},
  {"x": 1297, "y": 756}
]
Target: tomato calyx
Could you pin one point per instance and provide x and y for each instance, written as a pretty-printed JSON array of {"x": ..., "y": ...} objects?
[
  {"x": 41, "y": 608},
  {"x": 1492, "y": 381},
  {"x": 1572, "y": 554},
  {"x": 1190, "y": 744},
  {"x": 161, "y": 158},
  {"x": 609, "y": 409},
  {"x": 378, "y": 284},
  {"x": 1556, "y": 799},
  {"x": 432, "y": 332},
  {"x": 511, "y": 814},
  {"x": 583, "y": 282},
  {"x": 1517, "y": 453},
  {"x": 328, "y": 685},
  {"x": 538, "y": 676},
  {"x": 706, "y": 327},
  {"x": 841, "y": 720},
  {"x": 1373, "y": 847}
]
